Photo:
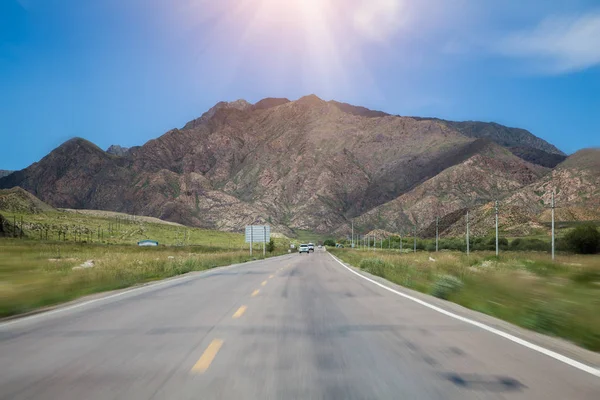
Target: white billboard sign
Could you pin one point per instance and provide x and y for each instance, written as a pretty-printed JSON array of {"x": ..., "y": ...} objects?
[{"x": 258, "y": 233}]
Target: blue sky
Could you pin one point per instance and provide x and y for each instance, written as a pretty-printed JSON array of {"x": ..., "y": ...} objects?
[{"x": 126, "y": 71}]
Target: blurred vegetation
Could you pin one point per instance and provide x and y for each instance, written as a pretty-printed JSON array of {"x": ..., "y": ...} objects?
[
  {"x": 560, "y": 298},
  {"x": 37, "y": 270},
  {"x": 34, "y": 274},
  {"x": 584, "y": 239}
]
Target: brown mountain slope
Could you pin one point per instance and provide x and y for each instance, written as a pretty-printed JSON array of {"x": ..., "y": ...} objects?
[
  {"x": 306, "y": 164},
  {"x": 576, "y": 183},
  {"x": 80, "y": 175},
  {"x": 488, "y": 171},
  {"x": 17, "y": 200}
]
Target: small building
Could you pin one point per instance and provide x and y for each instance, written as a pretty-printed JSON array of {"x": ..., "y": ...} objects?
[{"x": 148, "y": 243}]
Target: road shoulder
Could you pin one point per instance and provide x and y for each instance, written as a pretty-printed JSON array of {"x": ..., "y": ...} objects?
[{"x": 553, "y": 344}]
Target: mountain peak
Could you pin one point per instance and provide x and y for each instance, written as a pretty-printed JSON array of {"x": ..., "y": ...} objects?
[
  {"x": 311, "y": 99},
  {"x": 79, "y": 142},
  {"x": 239, "y": 104},
  {"x": 117, "y": 150},
  {"x": 4, "y": 172},
  {"x": 270, "y": 102}
]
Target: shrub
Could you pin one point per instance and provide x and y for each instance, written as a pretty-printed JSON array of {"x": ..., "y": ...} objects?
[
  {"x": 457, "y": 244},
  {"x": 525, "y": 244},
  {"x": 445, "y": 285},
  {"x": 586, "y": 277},
  {"x": 516, "y": 244},
  {"x": 480, "y": 244},
  {"x": 584, "y": 239},
  {"x": 271, "y": 246},
  {"x": 375, "y": 266},
  {"x": 329, "y": 242}
]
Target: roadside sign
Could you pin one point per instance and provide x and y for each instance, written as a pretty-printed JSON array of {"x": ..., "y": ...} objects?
[{"x": 258, "y": 233}]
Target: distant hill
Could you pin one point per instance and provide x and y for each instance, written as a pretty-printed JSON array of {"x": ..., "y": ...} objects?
[
  {"x": 486, "y": 171},
  {"x": 576, "y": 184},
  {"x": 307, "y": 164},
  {"x": 4, "y": 173},
  {"x": 17, "y": 200}
]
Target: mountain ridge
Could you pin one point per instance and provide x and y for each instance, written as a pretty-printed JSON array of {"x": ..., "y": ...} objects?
[{"x": 305, "y": 164}]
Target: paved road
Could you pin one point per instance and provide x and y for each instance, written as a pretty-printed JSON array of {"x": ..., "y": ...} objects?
[{"x": 294, "y": 327}]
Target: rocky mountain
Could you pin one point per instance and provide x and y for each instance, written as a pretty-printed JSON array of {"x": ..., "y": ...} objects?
[
  {"x": 576, "y": 186},
  {"x": 117, "y": 150},
  {"x": 487, "y": 171},
  {"x": 4, "y": 173},
  {"x": 304, "y": 164}
]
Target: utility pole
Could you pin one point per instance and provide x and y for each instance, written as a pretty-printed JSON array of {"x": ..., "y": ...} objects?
[
  {"x": 437, "y": 220},
  {"x": 553, "y": 225},
  {"x": 251, "y": 241},
  {"x": 415, "y": 239},
  {"x": 496, "y": 228},
  {"x": 468, "y": 232},
  {"x": 352, "y": 234},
  {"x": 264, "y": 240}
]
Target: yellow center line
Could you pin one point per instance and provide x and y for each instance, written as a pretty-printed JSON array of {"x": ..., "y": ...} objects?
[
  {"x": 256, "y": 292},
  {"x": 263, "y": 283},
  {"x": 207, "y": 357},
  {"x": 271, "y": 276},
  {"x": 239, "y": 312}
]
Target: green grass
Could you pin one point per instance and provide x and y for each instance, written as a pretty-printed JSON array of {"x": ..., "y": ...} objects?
[
  {"x": 34, "y": 274},
  {"x": 559, "y": 298},
  {"x": 121, "y": 229}
]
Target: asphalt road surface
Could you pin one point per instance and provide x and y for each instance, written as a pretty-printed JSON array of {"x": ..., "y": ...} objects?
[{"x": 293, "y": 327}]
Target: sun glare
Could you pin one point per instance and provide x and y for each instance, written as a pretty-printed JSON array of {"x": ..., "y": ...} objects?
[{"x": 321, "y": 41}]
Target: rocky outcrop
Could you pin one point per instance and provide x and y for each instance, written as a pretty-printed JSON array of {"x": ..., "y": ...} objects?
[{"x": 117, "y": 150}]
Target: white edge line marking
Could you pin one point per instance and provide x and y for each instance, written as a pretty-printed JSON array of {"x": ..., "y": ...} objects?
[
  {"x": 535, "y": 347},
  {"x": 146, "y": 287}
]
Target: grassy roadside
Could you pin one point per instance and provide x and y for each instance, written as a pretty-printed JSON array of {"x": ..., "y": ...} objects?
[
  {"x": 36, "y": 274},
  {"x": 115, "y": 228},
  {"x": 559, "y": 298}
]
